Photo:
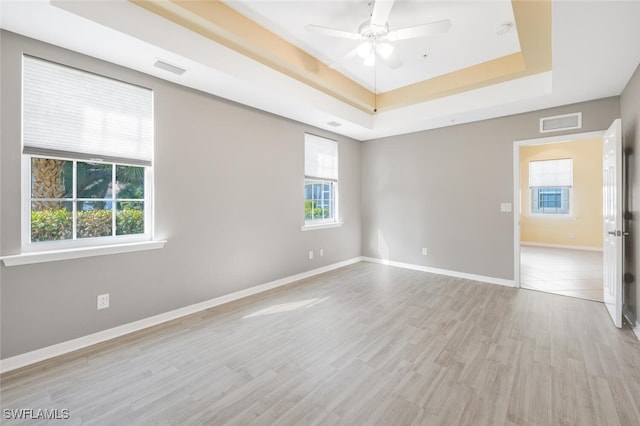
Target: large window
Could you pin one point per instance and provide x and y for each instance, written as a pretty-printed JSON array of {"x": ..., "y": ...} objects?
[
  {"x": 87, "y": 158},
  {"x": 321, "y": 180},
  {"x": 74, "y": 199},
  {"x": 550, "y": 183}
]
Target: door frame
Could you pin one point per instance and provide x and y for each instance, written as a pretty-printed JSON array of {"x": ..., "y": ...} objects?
[{"x": 517, "y": 205}]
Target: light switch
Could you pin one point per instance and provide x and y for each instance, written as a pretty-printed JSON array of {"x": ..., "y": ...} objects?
[{"x": 505, "y": 207}]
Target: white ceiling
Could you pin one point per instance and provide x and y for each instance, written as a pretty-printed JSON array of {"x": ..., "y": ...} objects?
[
  {"x": 475, "y": 21},
  {"x": 595, "y": 51}
]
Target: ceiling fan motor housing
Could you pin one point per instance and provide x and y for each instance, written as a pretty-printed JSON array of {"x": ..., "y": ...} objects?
[{"x": 373, "y": 32}]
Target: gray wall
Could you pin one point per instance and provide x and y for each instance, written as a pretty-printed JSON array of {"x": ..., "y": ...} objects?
[
  {"x": 630, "y": 113},
  {"x": 441, "y": 189},
  {"x": 228, "y": 198}
]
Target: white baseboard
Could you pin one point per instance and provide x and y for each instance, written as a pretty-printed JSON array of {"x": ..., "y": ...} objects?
[
  {"x": 628, "y": 316},
  {"x": 58, "y": 349},
  {"x": 636, "y": 330},
  {"x": 561, "y": 246},
  {"x": 473, "y": 277}
]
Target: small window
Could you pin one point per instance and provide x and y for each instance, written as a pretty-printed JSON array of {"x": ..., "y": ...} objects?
[
  {"x": 550, "y": 183},
  {"x": 553, "y": 200},
  {"x": 318, "y": 200},
  {"x": 87, "y": 158},
  {"x": 321, "y": 180}
]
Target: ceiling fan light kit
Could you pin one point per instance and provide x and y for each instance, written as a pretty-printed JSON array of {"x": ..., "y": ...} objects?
[
  {"x": 365, "y": 49},
  {"x": 368, "y": 51},
  {"x": 370, "y": 60},
  {"x": 384, "y": 49}
]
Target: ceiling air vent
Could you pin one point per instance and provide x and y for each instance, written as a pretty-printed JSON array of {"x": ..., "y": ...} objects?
[
  {"x": 561, "y": 122},
  {"x": 334, "y": 124},
  {"x": 168, "y": 67}
]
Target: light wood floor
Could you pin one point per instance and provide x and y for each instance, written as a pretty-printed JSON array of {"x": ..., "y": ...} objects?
[
  {"x": 575, "y": 273},
  {"x": 366, "y": 344}
]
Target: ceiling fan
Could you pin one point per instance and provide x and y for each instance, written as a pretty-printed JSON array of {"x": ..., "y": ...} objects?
[{"x": 376, "y": 37}]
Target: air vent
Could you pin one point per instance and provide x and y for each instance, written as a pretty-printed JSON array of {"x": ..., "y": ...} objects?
[
  {"x": 334, "y": 124},
  {"x": 561, "y": 122},
  {"x": 168, "y": 67}
]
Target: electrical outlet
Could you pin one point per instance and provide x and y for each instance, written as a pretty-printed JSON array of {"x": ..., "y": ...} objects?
[
  {"x": 311, "y": 255},
  {"x": 424, "y": 251},
  {"x": 321, "y": 252},
  {"x": 103, "y": 301}
]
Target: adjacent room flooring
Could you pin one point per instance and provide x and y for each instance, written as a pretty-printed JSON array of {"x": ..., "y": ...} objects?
[
  {"x": 365, "y": 344},
  {"x": 575, "y": 273}
]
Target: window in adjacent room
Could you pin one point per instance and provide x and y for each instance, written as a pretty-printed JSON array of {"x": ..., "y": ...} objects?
[
  {"x": 550, "y": 183},
  {"x": 87, "y": 158},
  {"x": 321, "y": 180}
]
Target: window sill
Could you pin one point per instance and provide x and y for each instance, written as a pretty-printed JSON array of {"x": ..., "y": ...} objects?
[
  {"x": 55, "y": 255},
  {"x": 551, "y": 216},
  {"x": 321, "y": 226}
]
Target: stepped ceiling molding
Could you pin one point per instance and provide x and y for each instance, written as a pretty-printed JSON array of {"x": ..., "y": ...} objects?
[{"x": 259, "y": 53}]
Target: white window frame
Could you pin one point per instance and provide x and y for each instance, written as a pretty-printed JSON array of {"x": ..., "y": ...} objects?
[
  {"x": 333, "y": 185},
  {"x": 79, "y": 247},
  {"x": 312, "y": 224},
  {"x": 42, "y": 246},
  {"x": 551, "y": 181}
]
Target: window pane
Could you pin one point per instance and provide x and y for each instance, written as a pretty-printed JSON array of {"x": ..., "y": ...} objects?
[
  {"x": 319, "y": 200},
  {"x": 319, "y": 203},
  {"x": 94, "y": 219},
  {"x": 51, "y": 221},
  {"x": 130, "y": 182},
  {"x": 51, "y": 178},
  {"x": 308, "y": 200},
  {"x": 94, "y": 180},
  {"x": 130, "y": 218},
  {"x": 551, "y": 200}
]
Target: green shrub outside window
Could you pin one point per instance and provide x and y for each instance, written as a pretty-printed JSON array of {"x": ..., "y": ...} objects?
[{"x": 108, "y": 200}]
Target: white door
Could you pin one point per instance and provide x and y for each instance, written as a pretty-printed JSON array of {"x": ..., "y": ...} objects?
[{"x": 612, "y": 212}]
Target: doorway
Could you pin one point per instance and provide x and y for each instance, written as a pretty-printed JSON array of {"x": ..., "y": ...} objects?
[{"x": 558, "y": 223}]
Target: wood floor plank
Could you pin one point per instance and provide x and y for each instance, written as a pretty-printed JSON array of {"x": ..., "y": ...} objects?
[
  {"x": 602, "y": 401},
  {"x": 365, "y": 344}
]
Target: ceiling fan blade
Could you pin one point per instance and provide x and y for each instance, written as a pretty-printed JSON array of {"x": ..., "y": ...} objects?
[
  {"x": 381, "y": 11},
  {"x": 393, "y": 61},
  {"x": 333, "y": 32},
  {"x": 437, "y": 27},
  {"x": 350, "y": 55}
]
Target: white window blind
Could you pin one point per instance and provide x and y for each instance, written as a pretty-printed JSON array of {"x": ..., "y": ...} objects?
[
  {"x": 76, "y": 114},
  {"x": 321, "y": 157},
  {"x": 551, "y": 173}
]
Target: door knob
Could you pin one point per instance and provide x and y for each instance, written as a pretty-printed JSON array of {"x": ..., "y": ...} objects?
[{"x": 618, "y": 233}]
